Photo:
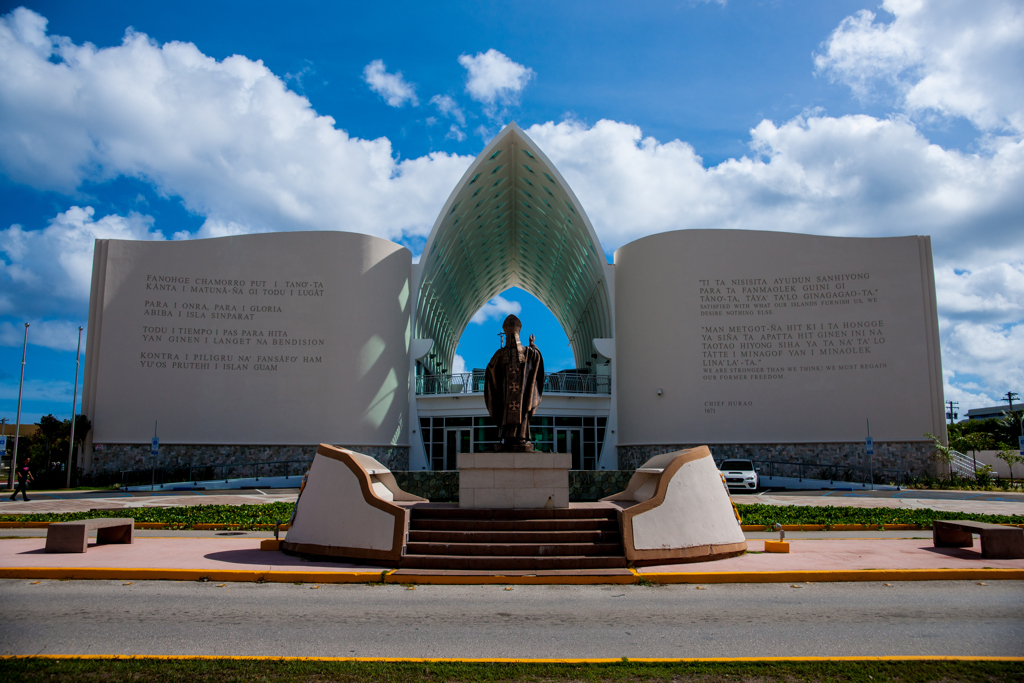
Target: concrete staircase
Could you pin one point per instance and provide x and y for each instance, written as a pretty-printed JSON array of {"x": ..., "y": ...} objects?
[{"x": 450, "y": 538}]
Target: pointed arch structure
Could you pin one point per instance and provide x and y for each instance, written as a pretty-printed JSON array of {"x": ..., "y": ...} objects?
[{"x": 512, "y": 221}]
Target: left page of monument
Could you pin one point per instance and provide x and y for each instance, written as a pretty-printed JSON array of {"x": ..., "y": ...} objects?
[{"x": 282, "y": 338}]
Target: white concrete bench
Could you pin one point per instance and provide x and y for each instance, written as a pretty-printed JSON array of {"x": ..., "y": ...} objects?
[{"x": 73, "y": 537}]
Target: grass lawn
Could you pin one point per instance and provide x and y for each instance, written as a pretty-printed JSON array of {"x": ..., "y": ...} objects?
[{"x": 194, "y": 671}]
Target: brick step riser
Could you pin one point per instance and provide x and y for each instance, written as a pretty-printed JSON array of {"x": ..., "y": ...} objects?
[
  {"x": 505, "y": 537},
  {"x": 515, "y": 550},
  {"x": 484, "y": 526},
  {"x": 510, "y": 563},
  {"x": 512, "y": 514}
]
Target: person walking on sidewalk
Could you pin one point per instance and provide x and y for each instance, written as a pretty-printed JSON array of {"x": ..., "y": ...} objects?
[{"x": 24, "y": 477}]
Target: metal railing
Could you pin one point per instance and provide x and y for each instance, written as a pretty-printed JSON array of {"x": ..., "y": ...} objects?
[
  {"x": 158, "y": 477},
  {"x": 962, "y": 465},
  {"x": 473, "y": 383},
  {"x": 854, "y": 474}
]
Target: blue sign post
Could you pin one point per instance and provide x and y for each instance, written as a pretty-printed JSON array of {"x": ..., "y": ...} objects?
[
  {"x": 154, "y": 449},
  {"x": 1020, "y": 445},
  {"x": 869, "y": 448}
]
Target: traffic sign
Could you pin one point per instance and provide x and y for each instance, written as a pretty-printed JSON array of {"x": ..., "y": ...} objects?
[
  {"x": 155, "y": 448},
  {"x": 3, "y": 446},
  {"x": 869, "y": 444},
  {"x": 1020, "y": 444}
]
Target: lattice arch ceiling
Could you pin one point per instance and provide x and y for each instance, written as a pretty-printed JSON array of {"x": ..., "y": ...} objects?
[{"x": 512, "y": 221}]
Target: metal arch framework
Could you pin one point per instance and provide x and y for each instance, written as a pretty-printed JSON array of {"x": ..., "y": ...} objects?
[{"x": 512, "y": 221}]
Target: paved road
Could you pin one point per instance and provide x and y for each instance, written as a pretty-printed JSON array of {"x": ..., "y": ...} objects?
[{"x": 921, "y": 618}]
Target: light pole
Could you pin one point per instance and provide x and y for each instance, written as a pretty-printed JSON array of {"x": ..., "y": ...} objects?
[
  {"x": 74, "y": 403},
  {"x": 17, "y": 428}
]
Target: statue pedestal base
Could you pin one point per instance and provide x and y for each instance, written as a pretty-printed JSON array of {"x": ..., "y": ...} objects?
[{"x": 514, "y": 480}]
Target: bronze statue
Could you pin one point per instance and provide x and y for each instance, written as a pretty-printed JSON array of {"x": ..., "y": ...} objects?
[{"x": 513, "y": 387}]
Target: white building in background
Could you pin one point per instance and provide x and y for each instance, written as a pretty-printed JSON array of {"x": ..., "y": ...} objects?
[{"x": 759, "y": 344}]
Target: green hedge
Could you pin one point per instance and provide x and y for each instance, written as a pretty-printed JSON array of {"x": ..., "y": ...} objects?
[
  {"x": 249, "y": 515},
  {"x": 798, "y": 514}
]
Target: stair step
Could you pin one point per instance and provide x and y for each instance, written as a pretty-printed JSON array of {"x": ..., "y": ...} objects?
[
  {"x": 504, "y": 537},
  {"x": 512, "y": 514},
  {"x": 492, "y": 563},
  {"x": 482, "y": 525},
  {"x": 515, "y": 549}
]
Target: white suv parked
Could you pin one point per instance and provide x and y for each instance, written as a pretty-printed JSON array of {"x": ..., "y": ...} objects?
[{"x": 740, "y": 474}]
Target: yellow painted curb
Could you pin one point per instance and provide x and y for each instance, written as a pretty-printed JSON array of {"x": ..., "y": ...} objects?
[
  {"x": 557, "y": 580},
  {"x": 237, "y": 575},
  {"x": 511, "y": 660},
  {"x": 388, "y": 576},
  {"x": 832, "y": 576}
]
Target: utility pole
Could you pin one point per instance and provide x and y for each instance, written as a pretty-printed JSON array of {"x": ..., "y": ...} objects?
[
  {"x": 74, "y": 403},
  {"x": 1010, "y": 395},
  {"x": 953, "y": 405},
  {"x": 17, "y": 428}
]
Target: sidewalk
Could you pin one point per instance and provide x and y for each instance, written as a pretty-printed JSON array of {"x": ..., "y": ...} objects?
[{"x": 239, "y": 559}]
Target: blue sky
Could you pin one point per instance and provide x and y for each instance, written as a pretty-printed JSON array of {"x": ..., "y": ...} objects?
[{"x": 149, "y": 121}]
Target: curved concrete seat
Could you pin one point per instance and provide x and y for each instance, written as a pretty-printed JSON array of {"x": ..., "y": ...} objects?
[
  {"x": 347, "y": 508},
  {"x": 676, "y": 509}
]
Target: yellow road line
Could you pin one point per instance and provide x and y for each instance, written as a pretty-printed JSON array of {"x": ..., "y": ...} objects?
[{"x": 513, "y": 660}]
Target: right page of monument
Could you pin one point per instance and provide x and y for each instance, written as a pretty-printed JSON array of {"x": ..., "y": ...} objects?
[{"x": 764, "y": 337}]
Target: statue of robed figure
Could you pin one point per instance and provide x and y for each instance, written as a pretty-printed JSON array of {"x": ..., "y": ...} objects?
[{"x": 513, "y": 387}]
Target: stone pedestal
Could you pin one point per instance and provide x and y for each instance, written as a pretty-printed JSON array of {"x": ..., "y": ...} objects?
[{"x": 514, "y": 480}]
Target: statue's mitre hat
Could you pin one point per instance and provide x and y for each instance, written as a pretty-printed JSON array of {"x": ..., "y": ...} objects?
[{"x": 512, "y": 325}]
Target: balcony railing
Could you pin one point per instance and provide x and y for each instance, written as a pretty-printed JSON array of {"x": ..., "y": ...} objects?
[{"x": 473, "y": 383}]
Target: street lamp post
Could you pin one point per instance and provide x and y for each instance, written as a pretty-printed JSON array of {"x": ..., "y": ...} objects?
[
  {"x": 17, "y": 428},
  {"x": 74, "y": 403}
]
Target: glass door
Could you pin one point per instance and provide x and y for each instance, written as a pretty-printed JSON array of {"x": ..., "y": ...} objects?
[
  {"x": 569, "y": 441},
  {"x": 457, "y": 440}
]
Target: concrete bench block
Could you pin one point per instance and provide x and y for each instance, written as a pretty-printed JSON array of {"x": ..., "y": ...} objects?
[
  {"x": 998, "y": 542},
  {"x": 73, "y": 537}
]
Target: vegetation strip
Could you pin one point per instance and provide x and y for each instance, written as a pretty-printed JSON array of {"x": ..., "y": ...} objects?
[
  {"x": 266, "y": 515},
  {"x": 791, "y": 670}
]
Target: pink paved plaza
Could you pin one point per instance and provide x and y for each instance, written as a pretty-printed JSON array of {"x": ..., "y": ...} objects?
[{"x": 234, "y": 554}]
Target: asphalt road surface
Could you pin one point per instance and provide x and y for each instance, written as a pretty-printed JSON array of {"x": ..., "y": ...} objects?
[{"x": 825, "y": 619}]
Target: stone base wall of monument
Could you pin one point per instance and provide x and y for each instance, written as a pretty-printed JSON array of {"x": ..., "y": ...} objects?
[
  {"x": 913, "y": 457},
  {"x": 443, "y": 486},
  {"x": 229, "y": 462}
]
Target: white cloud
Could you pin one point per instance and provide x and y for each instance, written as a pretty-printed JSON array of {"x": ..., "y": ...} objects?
[
  {"x": 494, "y": 78},
  {"x": 392, "y": 87},
  {"x": 955, "y": 58},
  {"x": 226, "y": 136},
  {"x": 61, "y": 335},
  {"x": 47, "y": 272},
  {"x": 458, "y": 365},
  {"x": 449, "y": 108},
  {"x": 455, "y": 133},
  {"x": 39, "y": 390},
  {"x": 497, "y": 308}
]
